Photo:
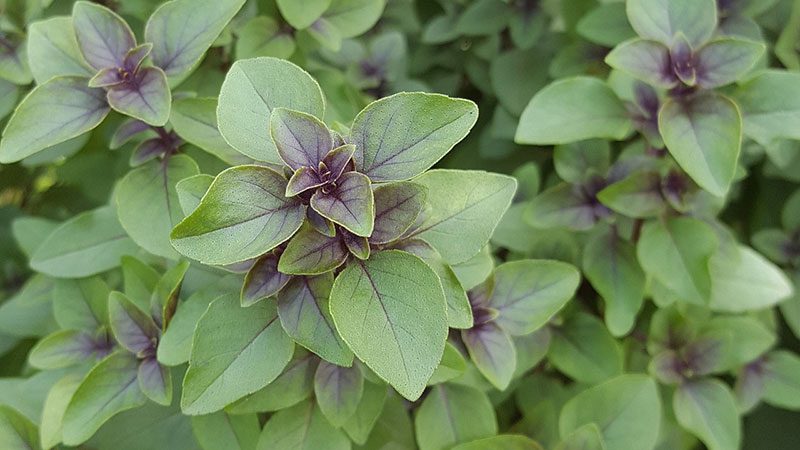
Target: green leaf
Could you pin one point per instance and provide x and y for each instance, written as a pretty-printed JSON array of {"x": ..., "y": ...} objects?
[
  {"x": 147, "y": 202},
  {"x": 53, "y": 50},
  {"x": 302, "y": 15},
  {"x": 563, "y": 206},
  {"x": 64, "y": 348},
  {"x": 492, "y": 351},
  {"x": 459, "y": 313},
  {"x": 139, "y": 281},
  {"x": 195, "y": 121},
  {"x": 451, "y": 366},
  {"x": 770, "y": 103},
  {"x": 676, "y": 252},
  {"x": 575, "y": 162},
  {"x": 359, "y": 426},
  {"x": 301, "y": 427},
  {"x": 262, "y": 36},
  {"x": 103, "y": 36},
  {"x": 350, "y": 203},
  {"x": 397, "y": 206},
  {"x": 191, "y": 191},
  {"x": 704, "y": 135},
  {"x": 226, "y": 366},
  {"x": 175, "y": 345},
  {"x": 54, "y": 408},
  {"x": 638, "y": 195},
  {"x": 528, "y": 293},
  {"x": 89, "y": 243},
  {"x": 30, "y": 311},
  {"x": 294, "y": 385},
  {"x": 748, "y": 282},
  {"x": 73, "y": 109},
  {"x": 400, "y": 136},
  {"x": 310, "y": 252},
  {"x": 108, "y": 389},
  {"x": 626, "y": 409},
  {"x": 606, "y": 25},
  {"x": 661, "y": 20},
  {"x": 252, "y": 89},
  {"x": 610, "y": 264},
  {"x": 646, "y": 60},
  {"x": 782, "y": 381},
  {"x": 16, "y": 431},
  {"x": 354, "y": 17},
  {"x": 155, "y": 381},
  {"x": 182, "y": 30},
  {"x": 81, "y": 304},
  {"x": 707, "y": 409},
  {"x": 391, "y": 312},
  {"x": 465, "y": 208},
  {"x": 30, "y": 232},
  {"x": 453, "y": 414},
  {"x": 504, "y": 441},
  {"x": 146, "y": 98},
  {"x": 572, "y": 110},
  {"x": 338, "y": 391},
  {"x": 587, "y": 437},
  {"x": 723, "y": 61},
  {"x": 244, "y": 214},
  {"x": 222, "y": 430},
  {"x": 303, "y": 307},
  {"x": 583, "y": 349}
]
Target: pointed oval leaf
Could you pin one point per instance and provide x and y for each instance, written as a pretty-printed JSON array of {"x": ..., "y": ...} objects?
[
  {"x": 195, "y": 121},
  {"x": 132, "y": 328},
  {"x": 584, "y": 350},
  {"x": 63, "y": 349},
  {"x": 103, "y": 36},
  {"x": 81, "y": 304},
  {"x": 572, "y": 110},
  {"x": 397, "y": 206},
  {"x": 723, "y": 61},
  {"x": 294, "y": 385},
  {"x": 400, "y": 136},
  {"x": 263, "y": 280},
  {"x": 492, "y": 351},
  {"x": 454, "y": 414},
  {"x": 661, "y": 20},
  {"x": 350, "y": 203},
  {"x": 225, "y": 365},
  {"x": 72, "y": 108},
  {"x": 55, "y": 405},
  {"x": 361, "y": 424},
  {"x": 146, "y": 97},
  {"x": 645, "y": 60},
  {"x": 707, "y": 408},
  {"x": 53, "y": 50},
  {"x": 312, "y": 253},
  {"x": 338, "y": 391},
  {"x": 155, "y": 381},
  {"x": 252, "y": 89},
  {"x": 303, "y": 307},
  {"x": 191, "y": 190},
  {"x": 244, "y": 214},
  {"x": 391, "y": 312},
  {"x": 300, "y": 138},
  {"x": 182, "y": 30},
  {"x": 301, "y": 427}
]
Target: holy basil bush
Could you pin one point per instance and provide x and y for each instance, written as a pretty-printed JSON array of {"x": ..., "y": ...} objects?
[{"x": 274, "y": 224}]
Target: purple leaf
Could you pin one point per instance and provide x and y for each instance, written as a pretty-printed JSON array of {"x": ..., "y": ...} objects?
[
  {"x": 132, "y": 328},
  {"x": 63, "y": 349},
  {"x": 480, "y": 295},
  {"x": 397, "y": 206},
  {"x": 493, "y": 353},
  {"x": 310, "y": 253},
  {"x": 335, "y": 162},
  {"x": 106, "y": 77},
  {"x": 135, "y": 57},
  {"x": 645, "y": 60},
  {"x": 103, "y": 37},
  {"x": 127, "y": 131},
  {"x": 723, "y": 61},
  {"x": 144, "y": 96},
  {"x": 358, "y": 246},
  {"x": 147, "y": 150},
  {"x": 155, "y": 381},
  {"x": 338, "y": 391},
  {"x": 683, "y": 60},
  {"x": 263, "y": 280},
  {"x": 349, "y": 203},
  {"x": 304, "y": 178},
  {"x": 321, "y": 224},
  {"x": 301, "y": 139}
]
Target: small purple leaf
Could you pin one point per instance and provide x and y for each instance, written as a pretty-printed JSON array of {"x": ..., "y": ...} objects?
[
  {"x": 145, "y": 96},
  {"x": 155, "y": 381},
  {"x": 480, "y": 295},
  {"x": 645, "y": 60},
  {"x": 127, "y": 131},
  {"x": 321, "y": 224},
  {"x": 106, "y": 77},
  {"x": 103, "y": 37},
  {"x": 135, "y": 57},
  {"x": 62, "y": 349},
  {"x": 301, "y": 139},
  {"x": 350, "y": 203},
  {"x": 397, "y": 206},
  {"x": 493, "y": 353},
  {"x": 358, "y": 246},
  {"x": 147, "y": 150},
  {"x": 338, "y": 391},
  {"x": 724, "y": 61},
  {"x": 336, "y": 161},
  {"x": 312, "y": 253},
  {"x": 682, "y": 57},
  {"x": 263, "y": 280},
  {"x": 304, "y": 178},
  {"x": 132, "y": 328}
]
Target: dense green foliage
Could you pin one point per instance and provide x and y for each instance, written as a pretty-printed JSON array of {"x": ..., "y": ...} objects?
[{"x": 283, "y": 224}]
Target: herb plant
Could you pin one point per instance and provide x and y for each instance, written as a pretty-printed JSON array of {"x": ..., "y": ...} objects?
[{"x": 274, "y": 224}]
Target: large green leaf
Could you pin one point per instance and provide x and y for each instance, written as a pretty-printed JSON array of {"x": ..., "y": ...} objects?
[
  {"x": 583, "y": 349},
  {"x": 147, "y": 202},
  {"x": 707, "y": 408},
  {"x": 627, "y": 409},
  {"x": 231, "y": 432},
  {"x": 53, "y": 50},
  {"x": 391, "y": 312},
  {"x": 108, "y": 389},
  {"x": 89, "y": 243},
  {"x": 182, "y": 30},
  {"x": 465, "y": 208},
  {"x": 747, "y": 282},
  {"x": 301, "y": 427},
  {"x": 400, "y": 136},
  {"x": 453, "y": 414},
  {"x": 244, "y": 214},
  {"x": 572, "y": 110},
  {"x": 704, "y": 135},
  {"x": 662, "y": 20},
  {"x": 252, "y": 89},
  {"x": 770, "y": 104},
  {"x": 81, "y": 304},
  {"x": 294, "y": 385},
  {"x": 235, "y": 352},
  {"x": 71, "y": 107}
]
